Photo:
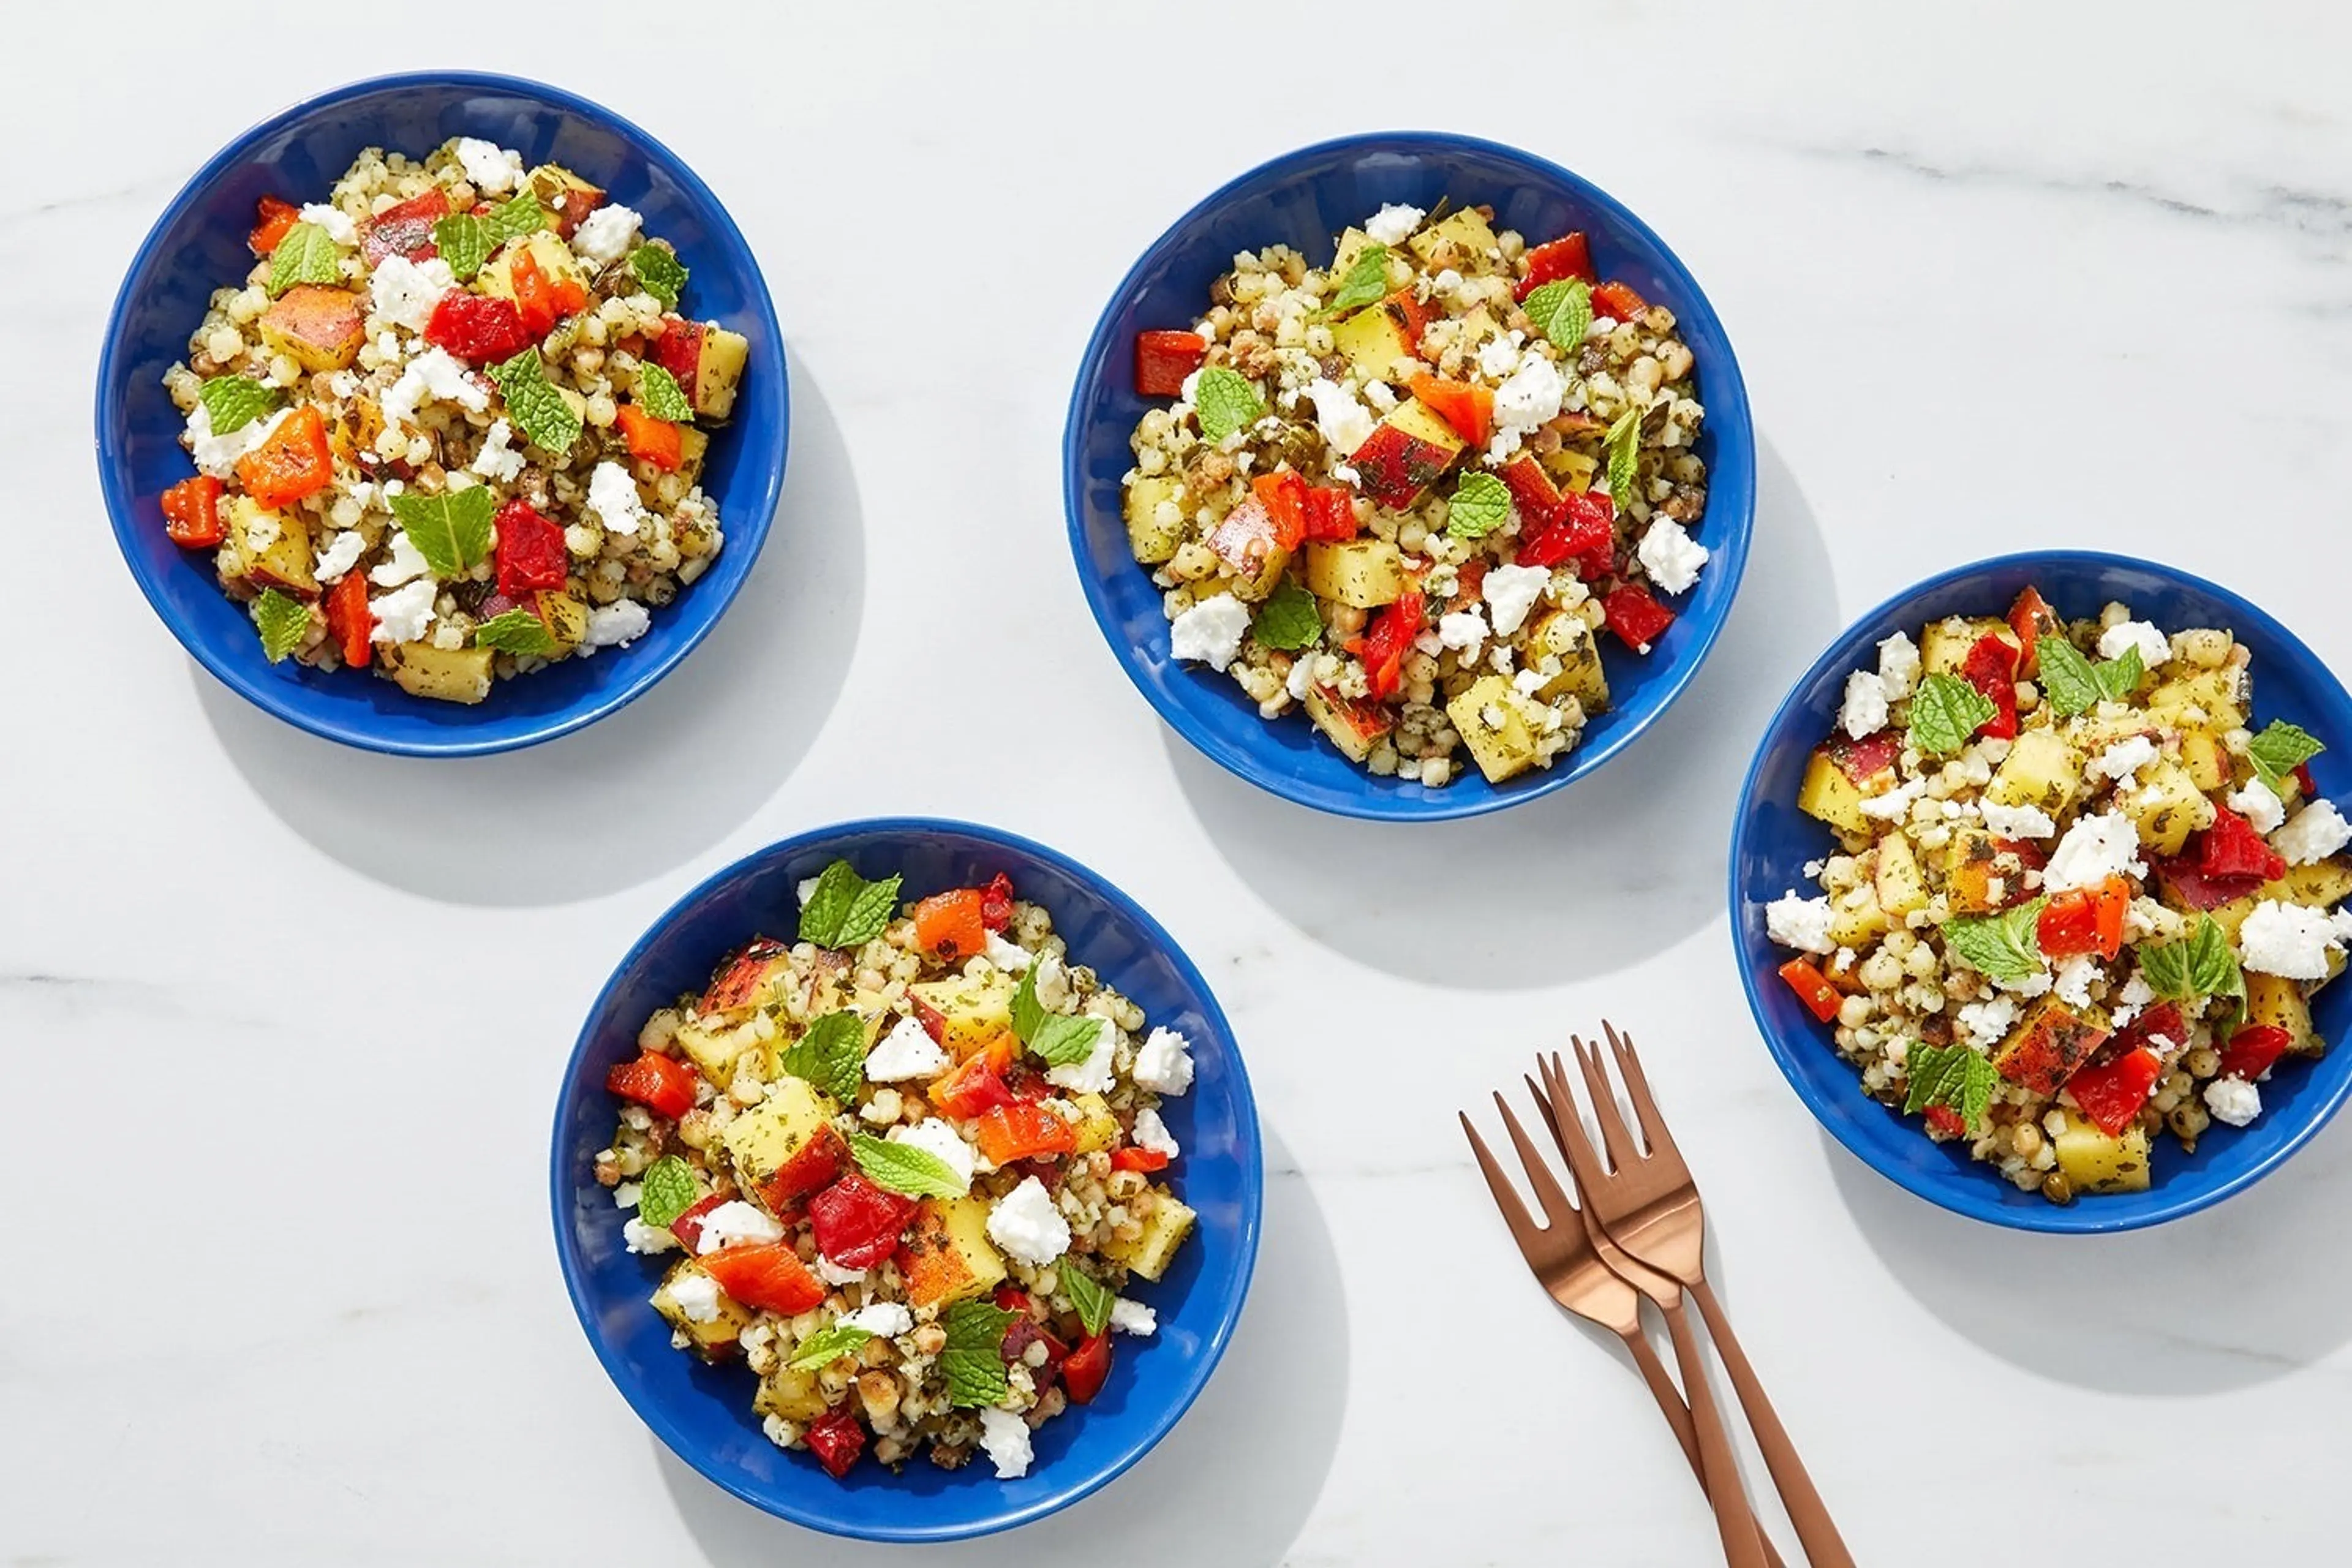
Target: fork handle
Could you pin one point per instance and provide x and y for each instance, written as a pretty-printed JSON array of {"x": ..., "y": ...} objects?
[
  {"x": 1678, "y": 1415},
  {"x": 1824, "y": 1548},
  {"x": 1743, "y": 1542}
]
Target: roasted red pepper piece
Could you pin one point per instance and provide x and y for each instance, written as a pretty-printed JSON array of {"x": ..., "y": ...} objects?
[
  {"x": 294, "y": 462},
  {"x": 534, "y": 297},
  {"x": 1992, "y": 667},
  {"x": 406, "y": 230},
  {"x": 1947, "y": 1121},
  {"x": 836, "y": 1439},
  {"x": 530, "y": 551},
  {"x": 1532, "y": 492},
  {"x": 192, "y": 513},
  {"x": 2085, "y": 920},
  {"x": 949, "y": 924},
  {"x": 2303, "y": 777},
  {"x": 1283, "y": 494},
  {"x": 663, "y": 1085},
  {"x": 1021, "y": 1131},
  {"x": 678, "y": 350},
  {"x": 348, "y": 620},
  {"x": 1638, "y": 619},
  {"x": 1331, "y": 514},
  {"x": 1089, "y": 1366},
  {"x": 687, "y": 1226},
  {"x": 2031, "y": 618},
  {"x": 2253, "y": 1050},
  {"x": 812, "y": 1165},
  {"x": 1383, "y": 647},
  {"x": 2197, "y": 891},
  {"x": 2113, "y": 1088},
  {"x": 1581, "y": 530},
  {"x": 858, "y": 1223},
  {"x": 1408, "y": 313},
  {"x": 996, "y": 902},
  {"x": 1618, "y": 302},
  {"x": 480, "y": 327},
  {"x": 1821, "y": 998},
  {"x": 765, "y": 1275},
  {"x": 975, "y": 1084},
  {"x": 1134, "y": 1157},
  {"x": 1162, "y": 361},
  {"x": 1466, "y": 405},
  {"x": 1864, "y": 760},
  {"x": 2232, "y": 850},
  {"x": 651, "y": 440},
  {"x": 1567, "y": 257},
  {"x": 271, "y": 220}
]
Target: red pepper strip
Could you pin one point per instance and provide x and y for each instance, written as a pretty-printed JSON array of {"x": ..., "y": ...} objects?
[
  {"x": 530, "y": 551},
  {"x": 1283, "y": 494},
  {"x": 836, "y": 1439},
  {"x": 1821, "y": 998},
  {"x": 1021, "y": 1131},
  {"x": 1617, "y": 301},
  {"x": 1331, "y": 514},
  {"x": 2232, "y": 850},
  {"x": 1089, "y": 1366},
  {"x": 1581, "y": 530},
  {"x": 1466, "y": 405},
  {"x": 2112, "y": 1089},
  {"x": 996, "y": 902},
  {"x": 1567, "y": 257},
  {"x": 1638, "y": 619},
  {"x": 663, "y": 1085},
  {"x": 1992, "y": 667},
  {"x": 2031, "y": 618},
  {"x": 1163, "y": 360},
  {"x": 949, "y": 924},
  {"x": 2303, "y": 777},
  {"x": 973, "y": 1088},
  {"x": 1134, "y": 1157},
  {"x": 348, "y": 620},
  {"x": 1947, "y": 1121},
  {"x": 2253, "y": 1050},
  {"x": 271, "y": 220},
  {"x": 481, "y": 328},
  {"x": 767, "y": 1276},
  {"x": 1383, "y": 648},
  {"x": 294, "y": 462},
  {"x": 192, "y": 513},
  {"x": 856, "y": 1223},
  {"x": 651, "y": 440},
  {"x": 2085, "y": 920}
]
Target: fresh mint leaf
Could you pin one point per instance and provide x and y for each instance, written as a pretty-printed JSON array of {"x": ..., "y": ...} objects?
[
  {"x": 1481, "y": 503},
  {"x": 831, "y": 1054},
  {"x": 1028, "y": 1013},
  {"x": 233, "y": 402},
  {"x": 304, "y": 256},
  {"x": 904, "y": 1168},
  {"x": 845, "y": 909},
  {"x": 516, "y": 631},
  {"x": 828, "y": 1346},
  {"x": 1952, "y": 1076},
  {"x": 1064, "y": 1040},
  {"x": 2118, "y": 678},
  {"x": 513, "y": 218},
  {"x": 2075, "y": 685},
  {"x": 658, "y": 270},
  {"x": 539, "y": 408},
  {"x": 662, "y": 396},
  {"x": 1624, "y": 448},
  {"x": 283, "y": 620},
  {"x": 1562, "y": 311},
  {"x": 1225, "y": 402},
  {"x": 2005, "y": 946},
  {"x": 465, "y": 242},
  {"x": 451, "y": 530},
  {"x": 1289, "y": 619},
  {"x": 665, "y": 1191},
  {"x": 1367, "y": 280},
  {"x": 2201, "y": 963},
  {"x": 1945, "y": 712},
  {"x": 2277, "y": 751},
  {"x": 974, "y": 1360},
  {"x": 1090, "y": 1296}
]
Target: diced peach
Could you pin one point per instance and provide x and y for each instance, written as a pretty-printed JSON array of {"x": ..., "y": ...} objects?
[
  {"x": 744, "y": 982},
  {"x": 2047, "y": 1044},
  {"x": 567, "y": 197},
  {"x": 1405, "y": 455},
  {"x": 1244, "y": 541},
  {"x": 320, "y": 327}
]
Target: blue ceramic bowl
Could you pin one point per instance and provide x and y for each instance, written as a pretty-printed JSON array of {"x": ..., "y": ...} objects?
[
  {"x": 198, "y": 245},
  {"x": 1771, "y": 841},
  {"x": 1304, "y": 199},
  {"x": 703, "y": 1413}
]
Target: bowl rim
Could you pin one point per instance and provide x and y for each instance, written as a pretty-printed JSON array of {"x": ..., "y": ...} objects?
[
  {"x": 1203, "y": 1365},
  {"x": 1728, "y": 392},
  {"x": 2075, "y": 1220},
  {"x": 270, "y": 697}
]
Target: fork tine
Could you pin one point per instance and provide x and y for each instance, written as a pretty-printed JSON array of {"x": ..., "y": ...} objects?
[
  {"x": 1637, "y": 1085},
  {"x": 1556, "y": 1206},
  {"x": 1506, "y": 1198},
  {"x": 1623, "y": 1152},
  {"x": 1569, "y": 1125},
  {"x": 1547, "y": 1107}
]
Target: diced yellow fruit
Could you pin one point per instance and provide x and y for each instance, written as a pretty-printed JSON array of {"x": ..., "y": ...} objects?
[
  {"x": 2041, "y": 770},
  {"x": 2208, "y": 763},
  {"x": 275, "y": 546},
  {"x": 318, "y": 327},
  {"x": 2095, "y": 1162},
  {"x": 1901, "y": 887},
  {"x": 1353, "y": 727},
  {"x": 1098, "y": 1127},
  {"x": 1856, "y": 918},
  {"x": 565, "y": 617},
  {"x": 713, "y": 1046},
  {"x": 1246, "y": 543},
  {"x": 1150, "y": 538},
  {"x": 763, "y": 1139},
  {"x": 2166, "y": 806},
  {"x": 1352, "y": 241},
  {"x": 720, "y": 1332},
  {"x": 1164, "y": 1230},
  {"x": 1563, "y": 635},
  {"x": 2211, "y": 692},
  {"x": 795, "y": 1396},
  {"x": 979, "y": 1012},
  {"x": 1980, "y": 876},
  {"x": 1830, "y": 796},
  {"x": 693, "y": 445},
  {"x": 443, "y": 674},
  {"x": 2322, "y": 885},
  {"x": 2273, "y": 999},
  {"x": 1461, "y": 240},
  {"x": 550, "y": 254},
  {"x": 1489, "y": 716},
  {"x": 1365, "y": 573},
  {"x": 718, "y": 370},
  {"x": 1422, "y": 423},
  {"x": 948, "y": 1257},
  {"x": 1373, "y": 340}
]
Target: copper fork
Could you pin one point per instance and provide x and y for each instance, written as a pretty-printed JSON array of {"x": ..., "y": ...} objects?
[
  {"x": 1650, "y": 1206},
  {"x": 1565, "y": 1260}
]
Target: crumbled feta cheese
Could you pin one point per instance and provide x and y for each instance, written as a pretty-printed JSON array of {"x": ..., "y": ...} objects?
[
  {"x": 2033, "y": 985},
  {"x": 779, "y": 1431},
  {"x": 404, "y": 292},
  {"x": 339, "y": 227},
  {"x": 1894, "y": 805},
  {"x": 934, "y": 1136},
  {"x": 885, "y": 1320},
  {"x": 406, "y": 563},
  {"x": 493, "y": 170},
  {"x": 2136, "y": 992},
  {"x": 1006, "y": 1436},
  {"x": 402, "y": 614},
  {"x": 1530, "y": 397},
  {"x": 1210, "y": 631},
  {"x": 1984, "y": 1024},
  {"x": 604, "y": 235},
  {"x": 434, "y": 374},
  {"x": 2154, "y": 647},
  {"x": 1152, "y": 1133},
  {"x": 1500, "y": 356},
  {"x": 2291, "y": 940},
  {"x": 697, "y": 1295},
  {"x": 1898, "y": 666},
  {"x": 1500, "y": 450},
  {"x": 2317, "y": 831},
  {"x": 1026, "y": 1226},
  {"x": 617, "y": 625},
  {"x": 1301, "y": 679},
  {"x": 1009, "y": 956},
  {"x": 2094, "y": 848},
  {"x": 833, "y": 1273},
  {"x": 1092, "y": 1076},
  {"x": 1463, "y": 629},
  {"x": 1671, "y": 557},
  {"x": 217, "y": 455},
  {"x": 1510, "y": 592},
  {"x": 2233, "y": 1100},
  {"x": 2017, "y": 821},
  {"x": 734, "y": 1221},
  {"x": 1133, "y": 1317},
  {"x": 341, "y": 553},
  {"x": 1864, "y": 712},
  {"x": 1393, "y": 224},
  {"x": 1345, "y": 423},
  {"x": 639, "y": 1237},
  {"x": 612, "y": 497},
  {"x": 1801, "y": 923},
  {"x": 1163, "y": 1064},
  {"x": 906, "y": 1051},
  {"x": 2259, "y": 804},
  {"x": 2124, "y": 758},
  {"x": 2073, "y": 980},
  {"x": 497, "y": 461}
]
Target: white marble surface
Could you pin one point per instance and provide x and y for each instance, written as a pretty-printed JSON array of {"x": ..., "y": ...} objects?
[{"x": 282, "y": 1022}]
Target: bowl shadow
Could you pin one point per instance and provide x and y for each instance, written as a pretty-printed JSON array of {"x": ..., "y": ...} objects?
[
  {"x": 1565, "y": 890},
  {"x": 2247, "y": 1290},
  {"x": 506, "y": 829},
  {"x": 1260, "y": 1440}
]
